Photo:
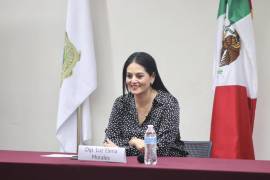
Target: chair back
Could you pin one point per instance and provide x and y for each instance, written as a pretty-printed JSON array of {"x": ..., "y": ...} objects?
[{"x": 200, "y": 149}]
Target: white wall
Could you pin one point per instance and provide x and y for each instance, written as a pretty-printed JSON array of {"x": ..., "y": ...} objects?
[
  {"x": 31, "y": 42},
  {"x": 179, "y": 34}
]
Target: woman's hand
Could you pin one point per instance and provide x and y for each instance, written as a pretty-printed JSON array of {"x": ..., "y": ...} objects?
[
  {"x": 137, "y": 143},
  {"x": 109, "y": 143}
]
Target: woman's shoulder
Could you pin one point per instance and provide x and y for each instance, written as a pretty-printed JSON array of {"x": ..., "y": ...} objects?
[
  {"x": 123, "y": 99},
  {"x": 166, "y": 98}
]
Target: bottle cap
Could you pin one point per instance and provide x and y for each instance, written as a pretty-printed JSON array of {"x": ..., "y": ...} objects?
[{"x": 150, "y": 127}]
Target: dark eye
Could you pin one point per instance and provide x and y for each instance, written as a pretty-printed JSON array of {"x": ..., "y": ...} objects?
[
  {"x": 139, "y": 76},
  {"x": 129, "y": 76}
]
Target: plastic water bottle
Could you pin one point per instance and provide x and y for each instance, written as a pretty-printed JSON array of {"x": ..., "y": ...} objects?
[{"x": 150, "y": 146}]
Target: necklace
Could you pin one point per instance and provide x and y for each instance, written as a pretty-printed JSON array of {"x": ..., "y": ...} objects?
[
  {"x": 143, "y": 113},
  {"x": 144, "y": 110}
]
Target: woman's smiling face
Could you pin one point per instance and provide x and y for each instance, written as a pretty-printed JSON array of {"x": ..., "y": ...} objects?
[{"x": 138, "y": 80}]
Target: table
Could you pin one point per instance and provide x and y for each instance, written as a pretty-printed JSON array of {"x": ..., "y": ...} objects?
[{"x": 31, "y": 165}]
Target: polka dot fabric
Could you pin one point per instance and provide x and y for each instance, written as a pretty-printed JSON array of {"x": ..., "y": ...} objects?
[{"x": 164, "y": 116}]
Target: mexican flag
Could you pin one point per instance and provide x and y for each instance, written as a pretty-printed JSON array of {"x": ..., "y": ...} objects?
[
  {"x": 235, "y": 82},
  {"x": 78, "y": 77}
]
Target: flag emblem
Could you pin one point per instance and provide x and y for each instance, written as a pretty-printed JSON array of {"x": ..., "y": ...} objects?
[
  {"x": 70, "y": 58},
  {"x": 230, "y": 46}
]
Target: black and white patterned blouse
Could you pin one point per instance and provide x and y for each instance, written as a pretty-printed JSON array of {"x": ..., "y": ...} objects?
[{"x": 164, "y": 116}]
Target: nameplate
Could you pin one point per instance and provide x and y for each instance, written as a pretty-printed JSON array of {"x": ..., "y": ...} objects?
[{"x": 100, "y": 153}]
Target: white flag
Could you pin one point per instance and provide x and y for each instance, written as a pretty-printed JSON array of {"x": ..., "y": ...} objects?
[{"x": 78, "y": 76}]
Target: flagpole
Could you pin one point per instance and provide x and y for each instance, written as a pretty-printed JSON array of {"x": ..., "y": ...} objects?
[{"x": 79, "y": 127}]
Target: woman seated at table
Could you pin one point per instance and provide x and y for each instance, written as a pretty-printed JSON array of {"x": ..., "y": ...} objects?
[{"x": 147, "y": 102}]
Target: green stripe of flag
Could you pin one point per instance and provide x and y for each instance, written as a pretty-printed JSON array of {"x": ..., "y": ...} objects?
[
  {"x": 237, "y": 9},
  {"x": 222, "y": 7}
]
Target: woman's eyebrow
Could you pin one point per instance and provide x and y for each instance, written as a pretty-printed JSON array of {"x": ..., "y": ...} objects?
[{"x": 137, "y": 72}]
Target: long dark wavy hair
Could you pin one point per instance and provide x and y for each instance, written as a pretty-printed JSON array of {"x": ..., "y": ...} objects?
[{"x": 149, "y": 64}]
